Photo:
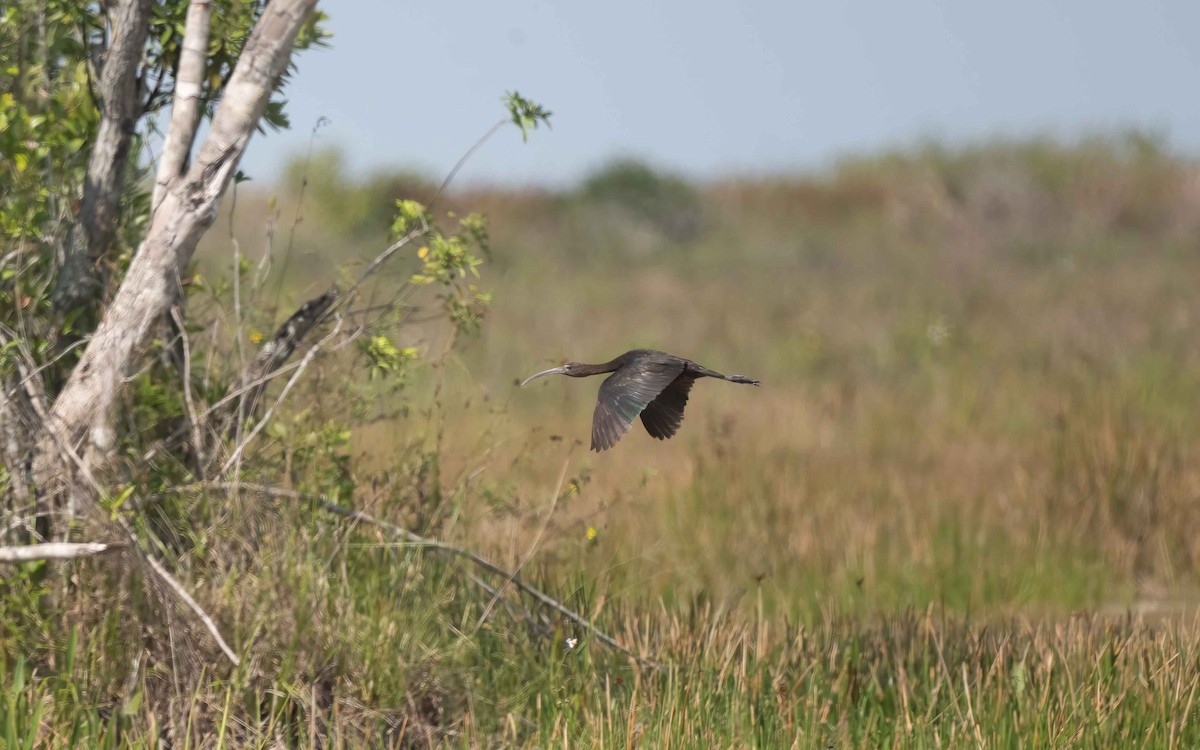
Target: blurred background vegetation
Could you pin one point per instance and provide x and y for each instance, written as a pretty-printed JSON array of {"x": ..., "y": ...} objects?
[
  {"x": 979, "y": 369},
  {"x": 980, "y": 374}
]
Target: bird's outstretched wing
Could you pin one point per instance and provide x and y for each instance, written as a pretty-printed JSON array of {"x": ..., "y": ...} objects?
[
  {"x": 663, "y": 415},
  {"x": 624, "y": 395}
]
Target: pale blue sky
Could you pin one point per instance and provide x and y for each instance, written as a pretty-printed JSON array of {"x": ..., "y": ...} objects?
[{"x": 739, "y": 87}]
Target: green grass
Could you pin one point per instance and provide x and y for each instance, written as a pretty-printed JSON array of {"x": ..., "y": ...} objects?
[{"x": 910, "y": 679}]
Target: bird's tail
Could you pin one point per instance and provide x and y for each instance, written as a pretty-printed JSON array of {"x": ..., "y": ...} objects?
[{"x": 741, "y": 379}]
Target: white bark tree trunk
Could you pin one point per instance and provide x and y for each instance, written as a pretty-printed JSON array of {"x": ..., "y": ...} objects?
[
  {"x": 186, "y": 211},
  {"x": 52, "y": 551},
  {"x": 185, "y": 108}
]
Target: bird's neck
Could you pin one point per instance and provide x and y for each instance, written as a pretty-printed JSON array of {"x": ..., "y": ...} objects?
[{"x": 583, "y": 371}]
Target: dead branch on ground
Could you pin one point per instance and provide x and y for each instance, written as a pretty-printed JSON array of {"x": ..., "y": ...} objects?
[{"x": 54, "y": 551}]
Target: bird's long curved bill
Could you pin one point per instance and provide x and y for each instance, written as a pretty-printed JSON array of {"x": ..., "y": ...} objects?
[{"x": 551, "y": 371}]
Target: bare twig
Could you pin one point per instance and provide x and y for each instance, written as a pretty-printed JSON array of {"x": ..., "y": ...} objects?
[
  {"x": 237, "y": 285},
  {"x": 264, "y": 262},
  {"x": 54, "y": 360},
  {"x": 198, "y": 444},
  {"x": 424, "y": 542},
  {"x": 54, "y": 551},
  {"x": 35, "y": 389},
  {"x": 424, "y": 228},
  {"x": 287, "y": 253},
  {"x": 208, "y": 414},
  {"x": 387, "y": 253},
  {"x": 278, "y": 350},
  {"x": 26, "y": 522},
  {"x": 15, "y": 435},
  {"x": 84, "y": 471},
  {"x": 308, "y": 356},
  {"x": 185, "y": 110},
  {"x": 465, "y": 158},
  {"x": 182, "y": 593}
]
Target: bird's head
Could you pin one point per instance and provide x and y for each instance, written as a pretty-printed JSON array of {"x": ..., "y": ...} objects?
[{"x": 572, "y": 369}]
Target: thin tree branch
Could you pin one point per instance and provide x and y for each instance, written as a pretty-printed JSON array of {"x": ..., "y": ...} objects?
[
  {"x": 237, "y": 285},
  {"x": 185, "y": 110},
  {"x": 183, "y": 594},
  {"x": 22, "y": 408},
  {"x": 465, "y": 158},
  {"x": 23, "y": 521},
  {"x": 54, "y": 551},
  {"x": 287, "y": 251},
  {"x": 424, "y": 228},
  {"x": 387, "y": 253},
  {"x": 193, "y": 421}
]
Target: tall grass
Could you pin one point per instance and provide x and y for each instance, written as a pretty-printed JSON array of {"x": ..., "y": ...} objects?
[{"x": 961, "y": 511}]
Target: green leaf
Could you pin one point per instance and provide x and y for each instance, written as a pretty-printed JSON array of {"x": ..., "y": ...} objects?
[
  {"x": 409, "y": 215},
  {"x": 526, "y": 114},
  {"x": 115, "y": 505},
  {"x": 35, "y": 722}
]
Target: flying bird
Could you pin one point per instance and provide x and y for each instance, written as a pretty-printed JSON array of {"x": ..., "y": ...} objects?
[{"x": 644, "y": 382}]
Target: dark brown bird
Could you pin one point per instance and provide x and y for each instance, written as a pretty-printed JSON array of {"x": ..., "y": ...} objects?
[{"x": 644, "y": 382}]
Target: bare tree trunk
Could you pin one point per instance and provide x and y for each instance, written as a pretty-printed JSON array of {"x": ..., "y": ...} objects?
[
  {"x": 173, "y": 162},
  {"x": 185, "y": 109},
  {"x": 186, "y": 211},
  {"x": 117, "y": 92}
]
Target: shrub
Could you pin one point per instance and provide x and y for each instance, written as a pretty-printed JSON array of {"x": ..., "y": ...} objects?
[{"x": 665, "y": 202}]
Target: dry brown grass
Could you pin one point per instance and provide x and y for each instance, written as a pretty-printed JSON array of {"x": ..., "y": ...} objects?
[{"x": 978, "y": 374}]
